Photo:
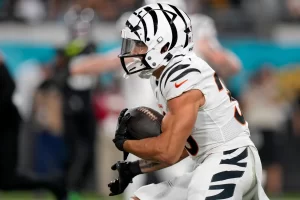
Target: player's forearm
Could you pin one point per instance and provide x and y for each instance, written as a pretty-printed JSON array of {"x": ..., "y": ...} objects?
[
  {"x": 153, "y": 149},
  {"x": 145, "y": 149},
  {"x": 224, "y": 62},
  {"x": 151, "y": 166},
  {"x": 234, "y": 63},
  {"x": 99, "y": 64}
]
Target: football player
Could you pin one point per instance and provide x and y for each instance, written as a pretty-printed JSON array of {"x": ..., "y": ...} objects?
[
  {"x": 136, "y": 92},
  {"x": 202, "y": 120}
]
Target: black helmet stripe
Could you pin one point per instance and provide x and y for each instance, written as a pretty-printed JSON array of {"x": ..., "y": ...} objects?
[
  {"x": 154, "y": 17},
  {"x": 144, "y": 24},
  {"x": 129, "y": 25},
  {"x": 173, "y": 27},
  {"x": 181, "y": 16},
  {"x": 179, "y": 13}
]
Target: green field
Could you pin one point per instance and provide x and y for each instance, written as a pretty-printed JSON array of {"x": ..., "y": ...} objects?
[{"x": 31, "y": 196}]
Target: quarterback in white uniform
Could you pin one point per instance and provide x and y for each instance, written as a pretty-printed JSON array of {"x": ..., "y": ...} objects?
[{"x": 201, "y": 119}]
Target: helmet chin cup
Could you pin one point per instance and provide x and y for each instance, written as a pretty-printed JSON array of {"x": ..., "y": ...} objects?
[
  {"x": 146, "y": 74},
  {"x": 132, "y": 65}
]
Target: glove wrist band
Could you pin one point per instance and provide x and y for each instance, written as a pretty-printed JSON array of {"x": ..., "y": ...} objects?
[{"x": 135, "y": 169}]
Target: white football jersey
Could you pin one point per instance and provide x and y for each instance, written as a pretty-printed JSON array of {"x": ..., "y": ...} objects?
[{"x": 219, "y": 120}]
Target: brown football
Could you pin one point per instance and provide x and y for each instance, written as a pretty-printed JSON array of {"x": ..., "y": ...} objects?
[{"x": 144, "y": 123}]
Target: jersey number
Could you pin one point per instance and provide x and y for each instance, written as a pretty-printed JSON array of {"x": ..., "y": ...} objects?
[
  {"x": 237, "y": 115},
  {"x": 193, "y": 147}
]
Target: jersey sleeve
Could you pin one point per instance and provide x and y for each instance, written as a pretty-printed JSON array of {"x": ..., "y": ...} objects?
[{"x": 183, "y": 78}]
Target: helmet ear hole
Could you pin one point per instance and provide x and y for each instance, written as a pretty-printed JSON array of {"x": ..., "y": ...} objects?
[{"x": 165, "y": 48}]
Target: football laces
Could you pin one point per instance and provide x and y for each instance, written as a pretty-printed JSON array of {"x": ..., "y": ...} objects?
[{"x": 148, "y": 113}]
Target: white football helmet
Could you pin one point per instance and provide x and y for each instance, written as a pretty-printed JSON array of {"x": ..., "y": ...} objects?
[
  {"x": 178, "y": 3},
  {"x": 166, "y": 31}
]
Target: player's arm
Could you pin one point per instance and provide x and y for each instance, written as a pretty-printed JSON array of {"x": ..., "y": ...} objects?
[
  {"x": 223, "y": 61},
  {"x": 177, "y": 126},
  {"x": 147, "y": 166},
  {"x": 97, "y": 64}
]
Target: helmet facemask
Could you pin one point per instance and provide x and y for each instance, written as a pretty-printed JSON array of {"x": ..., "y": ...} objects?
[
  {"x": 133, "y": 53},
  {"x": 137, "y": 58}
]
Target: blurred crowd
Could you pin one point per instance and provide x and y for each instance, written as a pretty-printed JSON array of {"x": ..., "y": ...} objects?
[
  {"x": 47, "y": 10},
  {"x": 53, "y": 10},
  {"x": 273, "y": 119},
  {"x": 63, "y": 119}
]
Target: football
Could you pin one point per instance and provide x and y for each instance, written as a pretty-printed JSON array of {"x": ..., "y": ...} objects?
[{"x": 144, "y": 123}]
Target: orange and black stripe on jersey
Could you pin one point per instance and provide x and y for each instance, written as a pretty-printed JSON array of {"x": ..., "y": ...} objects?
[
  {"x": 175, "y": 68},
  {"x": 164, "y": 74}
]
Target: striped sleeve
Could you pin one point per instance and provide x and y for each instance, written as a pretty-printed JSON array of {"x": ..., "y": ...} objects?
[{"x": 179, "y": 79}]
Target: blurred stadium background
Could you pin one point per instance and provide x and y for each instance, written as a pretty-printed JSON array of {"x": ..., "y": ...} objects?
[{"x": 35, "y": 35}]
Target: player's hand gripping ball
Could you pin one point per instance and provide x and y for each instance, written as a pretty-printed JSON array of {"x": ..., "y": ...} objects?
[
  {"x": 135, "y": 124},
  {"x": 121, "y": 132}
]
